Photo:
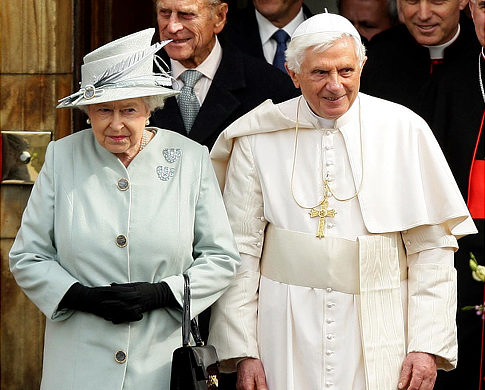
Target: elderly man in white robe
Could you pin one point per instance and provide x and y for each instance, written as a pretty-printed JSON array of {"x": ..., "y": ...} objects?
[{"x": 346, "y": 216}]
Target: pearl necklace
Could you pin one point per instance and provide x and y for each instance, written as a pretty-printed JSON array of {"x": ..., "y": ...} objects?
[{"x": 144, "y": 140}]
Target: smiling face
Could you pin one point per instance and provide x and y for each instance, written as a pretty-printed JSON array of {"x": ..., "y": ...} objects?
[
  {"x": 369, "y": 17},
  {"x": 118, "y": 126},
  {"x": 431, "y": 22},
  {"x": 330, "y": 80},
  {"x": 193, "y": 25},
  {"x": 477, "y": 8}
]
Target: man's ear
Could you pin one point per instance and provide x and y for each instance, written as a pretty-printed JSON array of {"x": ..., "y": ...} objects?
[
  {"x": 220, "y": 17},
  {"x": 293, "y": 76}
]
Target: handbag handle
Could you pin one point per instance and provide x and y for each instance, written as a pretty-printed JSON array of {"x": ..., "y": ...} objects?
[{"x": 189, "y": 326}]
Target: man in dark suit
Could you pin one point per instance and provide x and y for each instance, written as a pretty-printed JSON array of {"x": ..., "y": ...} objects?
[
  {"x": 228, "y": 83},
  {"x": 430, "y": 64},
  {"x": 253, "y": 28}
]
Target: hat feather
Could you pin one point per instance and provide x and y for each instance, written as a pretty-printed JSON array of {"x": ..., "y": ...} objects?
[{"x": 120, "y": 69}]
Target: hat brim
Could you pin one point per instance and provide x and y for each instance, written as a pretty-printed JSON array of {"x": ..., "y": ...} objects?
[{"x": 111, "y": 95}]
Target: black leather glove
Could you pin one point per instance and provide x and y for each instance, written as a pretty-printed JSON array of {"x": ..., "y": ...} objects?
[
  {"x": 150, "y": 296},
  {"x": 111, "y": 303}
]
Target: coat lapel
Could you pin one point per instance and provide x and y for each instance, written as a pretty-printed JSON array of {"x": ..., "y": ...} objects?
[{"x": 221, "y": 102}]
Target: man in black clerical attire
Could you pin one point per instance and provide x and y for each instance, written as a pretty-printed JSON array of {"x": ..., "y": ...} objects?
[{"x": 431, "y": 65}]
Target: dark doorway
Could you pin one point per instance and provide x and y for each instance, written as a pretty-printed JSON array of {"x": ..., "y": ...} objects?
[{"x": 97, "y": 22}]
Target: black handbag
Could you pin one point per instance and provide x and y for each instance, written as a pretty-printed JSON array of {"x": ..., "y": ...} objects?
[{"x": 193, "y": 367}]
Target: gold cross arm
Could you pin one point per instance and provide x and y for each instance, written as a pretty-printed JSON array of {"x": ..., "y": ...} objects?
[{"x": 323, "y": 213}]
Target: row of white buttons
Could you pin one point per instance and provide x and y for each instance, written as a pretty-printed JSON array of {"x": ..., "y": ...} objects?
[{"x": 330, "y": 336}]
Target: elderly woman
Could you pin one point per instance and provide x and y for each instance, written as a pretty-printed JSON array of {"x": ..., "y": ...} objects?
[{"x": 118, "y": 213}]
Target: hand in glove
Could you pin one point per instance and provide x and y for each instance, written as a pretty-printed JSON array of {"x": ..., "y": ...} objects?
[
  {"x": 149, "y": 296},
  {"x": 109, "y": 302}
]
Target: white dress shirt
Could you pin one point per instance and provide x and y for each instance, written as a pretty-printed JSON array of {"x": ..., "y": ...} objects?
[
  {"x": 208, "y": 68},
  {"x": 267, "y": 29}
]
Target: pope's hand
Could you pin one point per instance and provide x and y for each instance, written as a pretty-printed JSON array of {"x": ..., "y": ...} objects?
[
  {"x": 418, "y": 372},
  {"x": 250, "y": 375}
]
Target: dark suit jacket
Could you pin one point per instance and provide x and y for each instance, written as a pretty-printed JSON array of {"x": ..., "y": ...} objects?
[
  {"x": 243, "y": 31},
  {"x": 240, "y": 84}
]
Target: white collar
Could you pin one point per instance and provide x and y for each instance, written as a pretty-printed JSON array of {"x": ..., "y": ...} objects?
[
  {"x": 267, "y": 29},
  {"x": 208, "y": 67},
  {"x": 438, "y": 51},
  {"x": 323, "y": 122}
]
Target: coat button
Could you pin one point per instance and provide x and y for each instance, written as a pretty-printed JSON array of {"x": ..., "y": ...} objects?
[
  {"x": 121, "y": 240},
  {"x": 123, "y": 184},
  {"x": 120, "y": 357}
]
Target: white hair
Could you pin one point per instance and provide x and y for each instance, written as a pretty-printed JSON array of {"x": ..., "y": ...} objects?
[{"x": 319, "y": 42}]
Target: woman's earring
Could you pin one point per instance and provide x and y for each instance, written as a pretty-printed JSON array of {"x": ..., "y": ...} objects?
[
  {"x": 147, "y": 122},
  {"x": 88, "y": 121}
]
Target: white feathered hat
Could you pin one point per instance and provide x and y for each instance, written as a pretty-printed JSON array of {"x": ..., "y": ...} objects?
[{"x": 121, "y": 69}]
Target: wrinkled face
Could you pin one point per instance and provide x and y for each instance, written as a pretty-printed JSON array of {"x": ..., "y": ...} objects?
[
  {"x": 369, "y": 17},
  {"x": 279, "y": 12},
  {"x": 431, "y": 22},
  {"x": 193, "y": 25},
  {"x": 330, "y": 80},
  {"x": 118, "y": 126},
  {"x": 477, "y": 9}
]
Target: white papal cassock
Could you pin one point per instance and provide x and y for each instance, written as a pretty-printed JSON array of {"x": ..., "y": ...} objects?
[{"x": 314, "y": 336}]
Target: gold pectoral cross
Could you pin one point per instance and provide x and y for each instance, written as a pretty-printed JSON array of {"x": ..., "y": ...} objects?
[{"x": 323, "y": 213}]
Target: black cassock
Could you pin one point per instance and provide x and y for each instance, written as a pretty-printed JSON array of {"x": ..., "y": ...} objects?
[{"x": 448, "y": 97}]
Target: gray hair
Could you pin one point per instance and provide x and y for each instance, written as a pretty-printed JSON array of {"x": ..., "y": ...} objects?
[
  {"x": 152, "y": 103},
  {"x": 319, "y": 42}
]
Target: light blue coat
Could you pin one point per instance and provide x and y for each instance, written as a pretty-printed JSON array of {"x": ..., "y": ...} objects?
[{"x": 174, "y": 219}]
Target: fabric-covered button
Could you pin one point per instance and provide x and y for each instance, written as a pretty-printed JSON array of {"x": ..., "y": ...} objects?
[
  {"x": 123, "y": 184},
  {"x": 259, "y": 244},
  {"x": 120, "y": 357},
  {"x": 329, "y": 352},
  {"x": 260, "y": 232},
  {"x": 121, "y": 241},
  {"x": 329, "y": 289}
]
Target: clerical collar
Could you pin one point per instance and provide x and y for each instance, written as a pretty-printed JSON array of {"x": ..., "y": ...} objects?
[
  {"x": 267, "y": 29},
  {"x": 438, "y": 52},
  {"x": 208, "y": 67},
  {"x": 323, "y": 122}
]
